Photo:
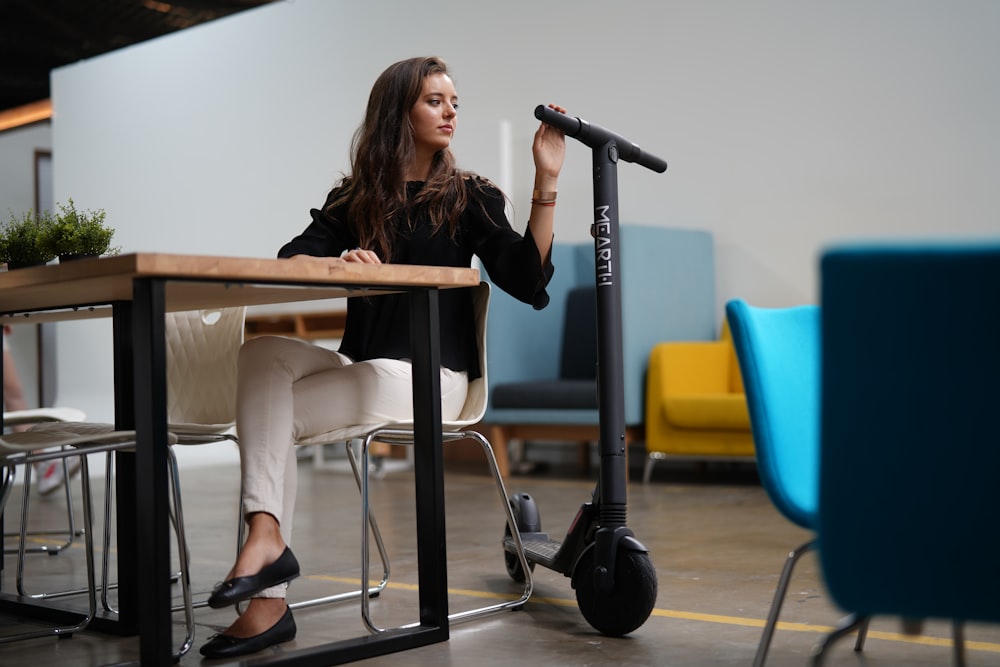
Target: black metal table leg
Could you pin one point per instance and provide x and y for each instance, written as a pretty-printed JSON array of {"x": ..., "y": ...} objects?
[
  {"x": 123, "y": 352},
  {"x": 428, "y": 465},
  {"x": 151, "y": 509}
]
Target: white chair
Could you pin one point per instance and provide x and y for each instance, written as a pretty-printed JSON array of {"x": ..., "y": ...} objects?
[
  {"x": 202, "y": 354},
  {"x": 202, "y": 350},
  {"x": 401, "y": 433},
  {"x": 41, "y": 415},
  {"x": 29, "y": 417},
  {"x": 24, "y": 449}
]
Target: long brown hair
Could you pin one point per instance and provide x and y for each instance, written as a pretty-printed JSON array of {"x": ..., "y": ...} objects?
[{"x": 382, "y": 148}]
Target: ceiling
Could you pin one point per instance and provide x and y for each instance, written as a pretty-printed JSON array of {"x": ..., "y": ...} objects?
[{"x": 39, "y": 35}]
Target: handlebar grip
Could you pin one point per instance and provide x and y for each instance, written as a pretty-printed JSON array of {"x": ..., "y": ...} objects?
[
  {"x": 595, "y": 136},
  {"x": 568, "y": 124}
]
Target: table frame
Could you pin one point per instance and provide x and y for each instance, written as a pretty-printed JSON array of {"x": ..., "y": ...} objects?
[{"x": 140, "y": 403}]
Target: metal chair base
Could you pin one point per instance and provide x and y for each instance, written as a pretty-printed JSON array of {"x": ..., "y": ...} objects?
[
  {"x": 403, "y": 437},
  {"x": 8, "y": 478}
]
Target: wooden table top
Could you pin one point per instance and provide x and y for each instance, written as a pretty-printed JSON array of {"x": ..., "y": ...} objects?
[{"x": 201, "y": 281}]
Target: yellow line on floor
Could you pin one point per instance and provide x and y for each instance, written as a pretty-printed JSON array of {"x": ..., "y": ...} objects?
[
  {"x": 924, "y": 640},
  {"x": 823, "y": 629}
]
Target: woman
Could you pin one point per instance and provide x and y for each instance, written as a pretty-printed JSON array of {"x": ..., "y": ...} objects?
[{"x": 404, "y": 202}]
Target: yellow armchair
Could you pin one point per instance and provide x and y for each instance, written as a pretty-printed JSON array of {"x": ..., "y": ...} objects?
[{"x": 695, "y": 403}]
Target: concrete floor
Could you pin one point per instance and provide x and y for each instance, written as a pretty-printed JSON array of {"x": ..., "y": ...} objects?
[{"x": 715, "y": 540}]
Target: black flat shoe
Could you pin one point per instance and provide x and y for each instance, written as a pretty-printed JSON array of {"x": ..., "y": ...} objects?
[
  {"x": 226, "y": 646},
  {"x": 238, "y": 589}
]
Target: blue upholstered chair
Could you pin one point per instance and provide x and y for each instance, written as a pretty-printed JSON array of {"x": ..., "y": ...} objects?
[
  {"x": 910, "y": 438},
  {"x": 668, "y": 293},
  {"x": 779, "y": 355}
]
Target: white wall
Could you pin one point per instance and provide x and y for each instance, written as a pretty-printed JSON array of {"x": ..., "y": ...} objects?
[{"x": 786, "y": 124}]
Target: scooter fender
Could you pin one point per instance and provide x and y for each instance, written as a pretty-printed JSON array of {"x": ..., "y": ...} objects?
[{"x": 607, "y": 541}]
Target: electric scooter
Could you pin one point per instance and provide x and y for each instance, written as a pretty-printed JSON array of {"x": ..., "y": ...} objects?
[{"x": 610, "y": 570}]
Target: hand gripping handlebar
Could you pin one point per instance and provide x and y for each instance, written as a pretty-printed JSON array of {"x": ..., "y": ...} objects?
[{"x": 596, "y": 136}]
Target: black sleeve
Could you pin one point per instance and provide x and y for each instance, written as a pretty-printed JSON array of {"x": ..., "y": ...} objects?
[
  {"x": 327, "y": 235},
  {"x": 512, "y": 261}
]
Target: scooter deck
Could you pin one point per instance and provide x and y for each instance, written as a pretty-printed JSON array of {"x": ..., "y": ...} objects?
[{"x": 538, "y": 548}]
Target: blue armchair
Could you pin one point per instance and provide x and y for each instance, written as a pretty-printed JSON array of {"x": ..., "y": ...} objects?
[{"x": 908, "y": 487}]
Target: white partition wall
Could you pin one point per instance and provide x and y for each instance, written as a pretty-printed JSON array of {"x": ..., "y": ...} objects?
[{"x": 786, "y": 124}]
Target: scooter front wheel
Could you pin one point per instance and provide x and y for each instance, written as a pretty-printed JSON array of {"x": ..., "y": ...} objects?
[{"x": 631, "y": 601}]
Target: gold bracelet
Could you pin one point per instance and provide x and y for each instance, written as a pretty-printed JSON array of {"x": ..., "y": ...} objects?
[
  {"x": 537, "y": 194},
  {"x": 538, "y": 202}
]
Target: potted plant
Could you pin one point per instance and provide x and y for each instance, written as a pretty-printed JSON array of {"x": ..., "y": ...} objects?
[
  {"x": 19, "y": 246},
  {"x": 74, "y": 234}
]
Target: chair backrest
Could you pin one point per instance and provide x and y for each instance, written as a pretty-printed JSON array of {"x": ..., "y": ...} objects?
[
  {"x": 578, "y": 356},
  {"x": 779, "y": 356},
  {"x": 202, "y": 351},
  {"x": 910, "y": 437},
  {"x": 477, "y": 397},
  {"x": 514, "y": 322}
]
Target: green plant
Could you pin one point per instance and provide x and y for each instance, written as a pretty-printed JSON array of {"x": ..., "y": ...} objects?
[
  {"x": 74, "y": 232},
  {"x": 19, "y": 239}
]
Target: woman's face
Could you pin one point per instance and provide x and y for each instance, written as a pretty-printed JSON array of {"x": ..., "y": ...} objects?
[{"x": 434, "y": 114}]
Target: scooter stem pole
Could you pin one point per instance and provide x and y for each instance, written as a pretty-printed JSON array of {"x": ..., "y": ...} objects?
[{"x": 610, "y": 374}]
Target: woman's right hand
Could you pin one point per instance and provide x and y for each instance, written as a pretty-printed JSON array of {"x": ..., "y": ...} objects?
[{"x": 548, "y": 150}]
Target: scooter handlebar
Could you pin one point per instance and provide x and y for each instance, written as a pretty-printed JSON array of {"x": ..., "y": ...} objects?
[{"x": 595, "y": 135}]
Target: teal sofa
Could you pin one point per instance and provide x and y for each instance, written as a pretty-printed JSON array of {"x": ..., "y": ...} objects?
[{"x": 668, "y": 293}]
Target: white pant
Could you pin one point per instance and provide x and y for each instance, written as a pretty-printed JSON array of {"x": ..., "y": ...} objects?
[{"x": 289, "y": 389}]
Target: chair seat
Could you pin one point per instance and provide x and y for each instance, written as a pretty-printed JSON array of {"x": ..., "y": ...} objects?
[
  {"x": 546, "y": 395},
  {"x": 199, "y": 429},
  {"x": 714, "y": 411},
  {"x": 50, "y": 441},
  {"x": 359, "y": 431},
  {"x": 58, "y": 434}
]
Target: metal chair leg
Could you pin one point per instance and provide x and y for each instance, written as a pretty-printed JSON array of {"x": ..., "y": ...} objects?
[
  {"x": 647, "y": 469},
  {"x": 958, "y": 642},
  {"x": 7, "y": 478},
  {"x": 65, "y": 631},
  {"x": 859, "y": 643},
  {"x": 372, "y": 524},
  {"x": 779, "y": 599},
  {"x": 846, "y": 626},
  {"x": 406, "y": 437},
  {"x": 860, "y": 623},
  {"x": 23, "y": 533},
  {"x": 183, "y": 555},
  {"x": 372, "y": 591},
  {"x": 70, "y": 532},
  {"x": 511, "y": 524}
]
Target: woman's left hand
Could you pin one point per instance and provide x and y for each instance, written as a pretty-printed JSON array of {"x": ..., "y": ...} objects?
[
  {"x": 549, "y": 149},
  {"x": 361, "y": 256}
]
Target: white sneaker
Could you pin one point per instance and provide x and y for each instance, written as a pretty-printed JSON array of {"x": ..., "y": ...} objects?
[{"x": 50, "y": 473}]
